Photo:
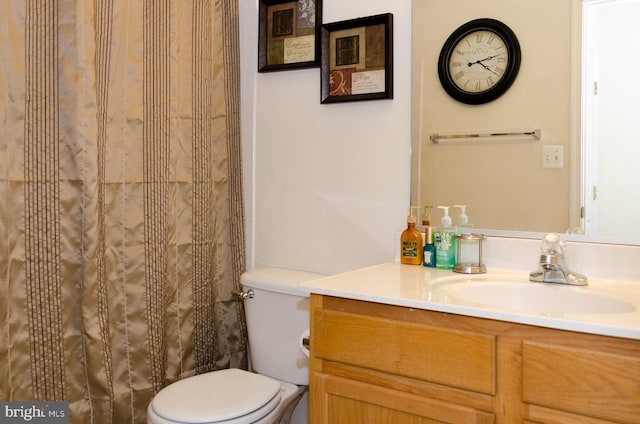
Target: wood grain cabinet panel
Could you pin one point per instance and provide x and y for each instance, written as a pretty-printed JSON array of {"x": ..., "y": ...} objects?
[
  {"x": 375, "y": 363},
  {"x": 587, "y": 382},
  {"x": 357, "y": 402},
  {"x": 455, "y": 358}
]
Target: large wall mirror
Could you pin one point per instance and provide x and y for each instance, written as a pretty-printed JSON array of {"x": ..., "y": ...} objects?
[{"x": 577, "y": 85}]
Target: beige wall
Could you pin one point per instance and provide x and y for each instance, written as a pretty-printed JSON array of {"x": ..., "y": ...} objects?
[{"x": 503, "y": 183}]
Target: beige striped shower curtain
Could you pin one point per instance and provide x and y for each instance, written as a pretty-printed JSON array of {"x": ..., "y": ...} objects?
[{"x": 120, "y": 200}]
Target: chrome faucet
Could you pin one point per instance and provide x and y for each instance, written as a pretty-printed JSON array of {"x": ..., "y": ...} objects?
[{"x": 552, "y": 267}]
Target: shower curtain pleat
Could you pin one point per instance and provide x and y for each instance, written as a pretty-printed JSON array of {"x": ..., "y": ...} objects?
[
  {"x": 42, "y": 204},
  {"x": 122, "y": 217}
]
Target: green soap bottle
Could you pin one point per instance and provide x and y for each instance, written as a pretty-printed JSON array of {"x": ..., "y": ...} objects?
[{"x": 445, "y": 242}]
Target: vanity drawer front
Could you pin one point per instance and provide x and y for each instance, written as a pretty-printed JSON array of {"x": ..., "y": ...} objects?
[
  {"x": 592, "y": 383},
  {"x": 450, "y": 357}
]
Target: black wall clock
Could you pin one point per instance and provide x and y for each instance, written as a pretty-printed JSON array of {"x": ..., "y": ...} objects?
[{"x": 479, "y": 61}]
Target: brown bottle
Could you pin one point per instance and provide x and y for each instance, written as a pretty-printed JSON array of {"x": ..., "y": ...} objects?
[{"x": 411, "y": 242}]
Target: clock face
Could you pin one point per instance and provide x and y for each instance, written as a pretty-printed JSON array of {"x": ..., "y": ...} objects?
[{"x": 479, "y": 61}]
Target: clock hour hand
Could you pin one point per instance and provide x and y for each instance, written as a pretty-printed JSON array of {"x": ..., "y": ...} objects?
[{"x": 479, "y": 62}]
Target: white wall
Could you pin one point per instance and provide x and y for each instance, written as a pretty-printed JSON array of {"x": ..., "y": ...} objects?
[{"x": 326, "y": 186}]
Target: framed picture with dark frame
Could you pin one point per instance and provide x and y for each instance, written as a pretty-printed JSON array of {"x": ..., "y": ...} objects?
[
  {"x": 289, "y": 34},
  {"x": 357, "y": 59}
]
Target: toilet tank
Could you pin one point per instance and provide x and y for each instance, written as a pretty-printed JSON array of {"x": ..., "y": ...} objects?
[{"x": 277, "y": 318}]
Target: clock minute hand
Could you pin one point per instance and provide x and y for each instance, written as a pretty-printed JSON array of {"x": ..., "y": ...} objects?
[{"x": 486, "y": 58}]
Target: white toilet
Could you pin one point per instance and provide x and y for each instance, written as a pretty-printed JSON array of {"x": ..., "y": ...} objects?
[{"x": 277, "y": 320}]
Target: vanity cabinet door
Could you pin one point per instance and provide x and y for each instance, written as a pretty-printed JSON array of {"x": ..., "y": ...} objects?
[
  {"x": 340, "y": 400},
  {"x": 378, "y": 367}
]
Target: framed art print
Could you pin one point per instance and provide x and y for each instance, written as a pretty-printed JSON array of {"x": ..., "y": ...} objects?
[
  {"x": 357, "y": 59},
  {"x": 289, "y": 34}
]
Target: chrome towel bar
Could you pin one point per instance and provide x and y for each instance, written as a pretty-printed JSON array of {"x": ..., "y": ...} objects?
[{"x": 437, "y": 138}]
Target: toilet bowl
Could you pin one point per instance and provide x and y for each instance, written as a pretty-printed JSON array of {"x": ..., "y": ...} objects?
[
  {"x": 229, "y": 396},
  {"x": 277, "y": 314}
]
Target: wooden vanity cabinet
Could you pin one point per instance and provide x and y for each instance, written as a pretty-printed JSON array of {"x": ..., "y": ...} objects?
[{"x": 375, "y": 363}]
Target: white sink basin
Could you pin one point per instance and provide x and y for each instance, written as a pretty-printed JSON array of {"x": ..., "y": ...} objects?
[{"x": 514, "y": 294}]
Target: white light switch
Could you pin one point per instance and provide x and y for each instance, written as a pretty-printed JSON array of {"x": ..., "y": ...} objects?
[{"x": 552, "y": 156}]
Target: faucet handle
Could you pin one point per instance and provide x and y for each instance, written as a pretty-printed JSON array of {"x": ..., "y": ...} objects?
[
  {"x": 552, "y": 267},
  {"x": 553, "y": 244}
]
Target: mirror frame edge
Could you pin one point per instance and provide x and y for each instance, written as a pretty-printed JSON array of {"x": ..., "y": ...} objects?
[
  {"x": 576, "y": 142},
  {"x": 576, "y": 198}
]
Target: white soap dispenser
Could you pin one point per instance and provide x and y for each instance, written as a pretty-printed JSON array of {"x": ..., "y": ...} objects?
[
  {"x": 445, "y": 242},
  {"x": 463, "y": 219}
]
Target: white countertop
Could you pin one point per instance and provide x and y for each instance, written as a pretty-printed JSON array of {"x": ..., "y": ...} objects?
[{"x": 421, "y": 288}]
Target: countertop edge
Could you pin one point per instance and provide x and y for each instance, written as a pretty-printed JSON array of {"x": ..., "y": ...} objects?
[{"x": 381, "y": 289}]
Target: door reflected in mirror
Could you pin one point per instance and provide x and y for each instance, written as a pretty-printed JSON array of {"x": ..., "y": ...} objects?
[{"x": 611, "y": 181}]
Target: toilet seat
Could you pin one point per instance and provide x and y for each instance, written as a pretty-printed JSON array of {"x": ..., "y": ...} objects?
[{"x": 229, "y": 396}]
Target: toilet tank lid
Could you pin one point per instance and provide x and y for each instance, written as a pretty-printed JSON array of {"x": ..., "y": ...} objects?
[{"x": 279, "y": 280}]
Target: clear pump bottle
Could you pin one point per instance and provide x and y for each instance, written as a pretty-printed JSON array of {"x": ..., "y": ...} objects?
[{"x": 462, "y": 221}]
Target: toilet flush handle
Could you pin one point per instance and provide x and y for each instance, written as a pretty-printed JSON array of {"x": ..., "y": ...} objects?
[{"x": 243, "y": 294}]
